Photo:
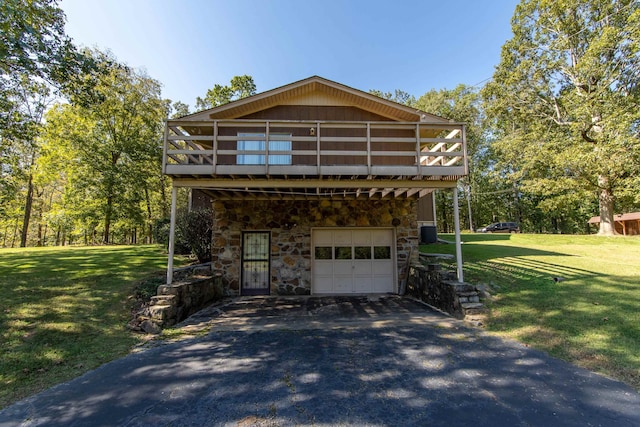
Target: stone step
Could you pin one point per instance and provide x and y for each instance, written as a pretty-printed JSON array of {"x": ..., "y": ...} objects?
[
  {"x": 163, "y": 300},
  {"x": 468, "y": 294},
  {"x": 462, "y": 287},
  {"x": 468, "y": 305},
  {"x": 471, "y": 308},
  {"x": 161, "y": 313}
]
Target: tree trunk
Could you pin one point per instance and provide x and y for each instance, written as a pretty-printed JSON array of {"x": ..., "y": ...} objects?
[
  {"x": 516, "y": 204},
  {"x": 607, "y": 224},
  {"x": 15, "y": 232},
  {"x": 471, "y": 227},
  {"x": 27, "y": 213},
  {"x": 149, "y": 214},
  {"x": 107, "y": 220},
  {"x": 39, "y": 244}
]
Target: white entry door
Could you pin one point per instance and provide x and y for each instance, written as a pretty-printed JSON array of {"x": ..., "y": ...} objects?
[{"x": 353, "y": 261}]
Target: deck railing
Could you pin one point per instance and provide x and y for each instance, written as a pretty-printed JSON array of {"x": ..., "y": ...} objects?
[{"x": 313, "y": 148}]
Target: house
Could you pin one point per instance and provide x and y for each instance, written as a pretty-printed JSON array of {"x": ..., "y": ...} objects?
[
  {"x": 314, "y": 186},
  {"x": 627, "y": 224}
]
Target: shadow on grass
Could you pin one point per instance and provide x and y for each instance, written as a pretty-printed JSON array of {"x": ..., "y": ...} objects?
[{"x": 64, "y": 310}]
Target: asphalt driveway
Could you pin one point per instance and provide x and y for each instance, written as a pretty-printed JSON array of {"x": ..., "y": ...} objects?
[{"x": 332, "y": 361}]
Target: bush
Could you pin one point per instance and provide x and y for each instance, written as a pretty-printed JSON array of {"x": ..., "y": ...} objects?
[
  {"x": 195, "y": 230},
  {"x": 161, "y": 235}
]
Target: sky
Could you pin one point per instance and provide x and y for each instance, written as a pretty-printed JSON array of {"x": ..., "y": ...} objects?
[{"x": 191, "y": 45}]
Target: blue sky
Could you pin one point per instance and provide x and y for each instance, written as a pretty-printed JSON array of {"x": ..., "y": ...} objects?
[{"x": 190, "y": 45}]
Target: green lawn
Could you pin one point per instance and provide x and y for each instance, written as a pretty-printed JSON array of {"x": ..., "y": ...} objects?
[
  {"x": 63, "y": 311},
  {"x": 591, "y": 318}
]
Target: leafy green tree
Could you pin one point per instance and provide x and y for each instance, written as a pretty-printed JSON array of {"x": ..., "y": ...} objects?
[
  {"x": 33, "y": 45},
  {"x": 178, "y": 109},
  {"x": 566, "y": 100},
  {"x": 239, "y": 87},
  {"x": 37, "y": 60},
  {"x": 115, "y": 143},
  {"x": 399, "y": 96}
]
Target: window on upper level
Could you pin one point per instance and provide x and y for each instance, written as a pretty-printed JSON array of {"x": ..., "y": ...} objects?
[{"x": 255, "y": 142}]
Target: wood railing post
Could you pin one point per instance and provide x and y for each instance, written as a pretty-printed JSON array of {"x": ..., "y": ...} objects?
[
  {"x": 165, "y": 147},
  {"x": 418, "y": 150},
  {"x": 318, "y": 147},
  {"x": 214, "y": 146},
  {"x": 266, "y": 148},
  {"x": 464, "y": 150},
  {"x": 369, "y": 148}
]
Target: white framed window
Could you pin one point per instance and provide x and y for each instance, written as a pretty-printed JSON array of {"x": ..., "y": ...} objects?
[{"x": 256, "y": 142}]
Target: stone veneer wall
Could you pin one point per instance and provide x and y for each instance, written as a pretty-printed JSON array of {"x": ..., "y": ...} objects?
[
  {"x": 290, "y": 223},
  {"x": 440, "y": 289}
]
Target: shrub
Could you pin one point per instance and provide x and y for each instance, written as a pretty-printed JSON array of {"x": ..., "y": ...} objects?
[
  {"x": 195, "y": 229},
  {"x": 161, "y": 235}
]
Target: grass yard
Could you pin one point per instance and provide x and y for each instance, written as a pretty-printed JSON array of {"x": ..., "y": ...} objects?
[
  {"x": 590, "y": 318},
  {"x": 64, "y": 311}
]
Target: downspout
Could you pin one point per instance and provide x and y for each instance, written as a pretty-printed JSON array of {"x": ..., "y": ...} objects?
[
  {"x": 172, "y": 232},
  {"x": 456, "y": 221}
]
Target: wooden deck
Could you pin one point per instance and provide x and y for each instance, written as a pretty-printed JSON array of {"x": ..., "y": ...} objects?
[{"x": 406, "y": 151}]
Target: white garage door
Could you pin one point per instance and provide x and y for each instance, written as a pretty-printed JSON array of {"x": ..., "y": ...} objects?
[{"x": 348, "y": 261}]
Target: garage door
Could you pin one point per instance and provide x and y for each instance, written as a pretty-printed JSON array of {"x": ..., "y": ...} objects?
[{"x": 348, "y": 261}]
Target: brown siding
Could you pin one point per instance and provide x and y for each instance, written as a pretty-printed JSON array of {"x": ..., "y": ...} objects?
[
  {"x": 316, "y": 112},
  {"x": 425, "y": 208},
  {"x": 334, "y": 146}
]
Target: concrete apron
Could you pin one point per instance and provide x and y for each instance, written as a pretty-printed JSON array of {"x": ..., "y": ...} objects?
[{"x": 315, "y": 312}]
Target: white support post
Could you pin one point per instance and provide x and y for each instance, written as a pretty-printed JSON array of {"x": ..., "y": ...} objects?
[
  {"x": 172, "y": 232},
  {"x": 433, "y": 207},
  {"x": 456, "y": 220}
]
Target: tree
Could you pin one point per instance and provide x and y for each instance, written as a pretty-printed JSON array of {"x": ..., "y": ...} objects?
[
  {"x": 399, "y": 96},
  {"x": 33, "y": 46},
  {"x": 115, "y": 146},
  {"x": 566, "y": 99},
  {"x": 239, "y": 87},
  {"x": 178, "y": 109},
  {"x": 37, "y": 61}
]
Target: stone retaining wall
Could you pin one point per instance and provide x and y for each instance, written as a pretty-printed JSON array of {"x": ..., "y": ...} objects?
[
  {"x": 182, "y": 273},
  {"x": 440, "y": 289},
  {"x": 181, "y": 299}
]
